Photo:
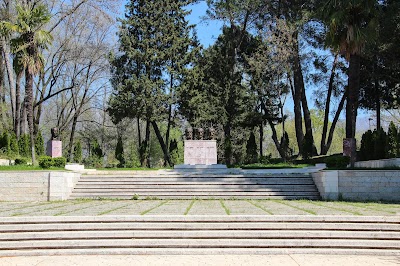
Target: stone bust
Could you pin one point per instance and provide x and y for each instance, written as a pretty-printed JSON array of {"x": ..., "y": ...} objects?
[
  {"x": 189, "y": 133},
  {"x": 211, "y": 133},
  {"x": 55, "y": 134},
  {"x": 200, "y": 132}
]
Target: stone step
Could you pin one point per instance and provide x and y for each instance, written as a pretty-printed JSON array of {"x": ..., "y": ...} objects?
[
  {"x": 200, "y": 243},
  {"x": 199, "y": 180},
  {"x": 187, "y": 188},
  {"x": 204, "y": 234},
  {"x": 180, "y": 225},
  {"x": 198, "y": 251},
  {"x": 182, "y": 197},
  {"x": 92, "y": 235}
]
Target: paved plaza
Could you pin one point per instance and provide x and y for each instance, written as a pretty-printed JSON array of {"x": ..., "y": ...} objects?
[{"x": 195, "y": 207}]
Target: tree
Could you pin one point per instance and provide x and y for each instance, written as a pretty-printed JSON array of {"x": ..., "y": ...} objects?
[
  {"x": 392, "y": 140},
  {"x": 350, "y": 24},
  {"x": 78, "y": 152},
  {"x": 251, "y": 149},
  {"x": 119, "y": 152},
  {"x": 39, "y": 144},
  {"x": 154, "y": 43},
  {"x": 27, "y": 47}
]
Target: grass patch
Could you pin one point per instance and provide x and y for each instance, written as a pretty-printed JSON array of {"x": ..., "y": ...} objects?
[
  {"x": 295, "y": 207},
  {"x": 335, "y": 208},
  {"x": 227, "y": 211},
  {"x": 260, "y": 207},
  {"x": 189, "y": 207},
  {"x": 134, "y": 169},
  {"x": 28, "y": 168},
  {"x": 159, "y": 205},
  {"x": 273, "y": 166},
  {"x": 115, "y": 209}
]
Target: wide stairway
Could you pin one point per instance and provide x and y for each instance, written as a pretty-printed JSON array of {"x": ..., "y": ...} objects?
[
  {"x": 173, "y": 185},
  {"x": 24, "y": 236}
]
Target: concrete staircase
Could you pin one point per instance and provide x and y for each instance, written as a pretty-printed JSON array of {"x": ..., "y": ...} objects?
[
  {"x": 187, "y": 185},
  {"x": 24, "y": 236}
]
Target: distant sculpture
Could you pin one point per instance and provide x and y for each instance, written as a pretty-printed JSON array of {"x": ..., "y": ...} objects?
[
  {"x": 55, "y": 133},
  {"x": 189, "y": 133},
  {"x": 200, "y": 133},
  {"x": 211, "y": 133}
]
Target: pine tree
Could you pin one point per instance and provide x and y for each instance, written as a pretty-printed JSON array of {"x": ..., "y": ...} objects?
[
  {"x": 24, "y": 145},
  {"x": 119, "y": 152},
  {"x": 251, "y": 149},
  {"x": 78, "y": 152},
  {"x": 39, "y": 144},
  {"x": 155, "y": 48},
  {"x": 392, "y": 140}
]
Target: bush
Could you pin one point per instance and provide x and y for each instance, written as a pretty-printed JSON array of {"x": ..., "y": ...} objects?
[
  {"x": 78, "y": 152},
  {"x": 337, "y": 161},
  {"x": 45, "y": 162},
  {"x": 21, "y": 161},
  {"x": 119, "y": 152},
  {"x": 251, "y": 150},
  {"x": 24, "y": 145},
  {"x": 59, "y": 162},
  {"x": 39, "y": 144}
]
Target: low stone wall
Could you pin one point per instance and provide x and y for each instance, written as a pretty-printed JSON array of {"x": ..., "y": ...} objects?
[
  {"x": 36, "y": 185},
  {"x": 379, "y": 163},
  {"x": 359, "y": 184}
]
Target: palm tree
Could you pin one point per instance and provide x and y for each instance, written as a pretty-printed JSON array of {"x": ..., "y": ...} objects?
[
  {"x": 350, "y": 24},
  {"x": 29, "y": 41}
]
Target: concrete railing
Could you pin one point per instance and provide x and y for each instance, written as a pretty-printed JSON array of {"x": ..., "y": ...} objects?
[
  {"x": 394, "y": 162},
  {"x": 358, "y": 184},
  {"x": 37, "y": 185}
]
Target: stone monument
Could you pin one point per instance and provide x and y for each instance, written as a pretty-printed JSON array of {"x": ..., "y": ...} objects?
[
  {"x": 54, "y": 145},
  {"x": 200, "y": 149}
]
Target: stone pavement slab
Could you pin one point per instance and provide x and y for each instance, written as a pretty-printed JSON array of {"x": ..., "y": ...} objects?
[
  {"x": 195, "y": 207},
  {"x": 262, "y": 260}
]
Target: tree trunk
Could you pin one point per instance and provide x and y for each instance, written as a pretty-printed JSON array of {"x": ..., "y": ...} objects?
[
  {"x": 228, "y": 144},
  {"x": 144, "y": 153},
  {"x": 71, "y": 138},
  {"x": 17, "y": 125},
  {"x": 378, "y": 105},
  {"x": 10, "y": 75},
  {"x": 324, "y": 149},
  {"x": 352, "y": 100},
  {"x": 301, "y": 97},
  {"x": 276, "y": 141},
  {"x": 261, "y": 138},
  {"x": 162, "y": 144},
  {"x": 29, "y": 110},
  {"x": 298, "y": 118},
  {"x": 334, "y": 122}
]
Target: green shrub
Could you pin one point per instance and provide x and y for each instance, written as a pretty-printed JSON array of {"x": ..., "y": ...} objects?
[
  {"x": 20, "y": 161},
  {"x": 392, "y": 140},
  {"x": 59, "y": 162},
  {"x": 307, "y": 147},
  {"x": 24, "y": 145},
  {"x": 251, "y": 150},
  {"x": 119, "y": 152},
  {"x": 45, "y": 162},
  {"x": 78, "y": 152},
  {"x": 39, "y": 144},
  {"x": 337, "y": 161}
]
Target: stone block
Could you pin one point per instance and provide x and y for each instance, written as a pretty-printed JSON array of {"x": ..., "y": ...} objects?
[
  {"x": 200, "y": 152},
  {"x": 54, "y": 148}
]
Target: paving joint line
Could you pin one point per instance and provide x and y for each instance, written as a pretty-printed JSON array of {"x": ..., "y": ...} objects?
[
  {"x": 159, "y": 205},
  {"x": 260, "y": 207}
]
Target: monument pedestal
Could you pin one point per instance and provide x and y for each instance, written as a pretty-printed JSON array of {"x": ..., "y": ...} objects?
[
  {"x": 54, "y": 148},
  {"x": 200, "y": 152},
  {"x": 349, "y": 145}
]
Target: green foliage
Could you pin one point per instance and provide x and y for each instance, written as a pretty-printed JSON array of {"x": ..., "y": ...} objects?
[
  {"x": 379, "y": 145},
  {"x": 20, "y": 161},
  {"x": 251, "y": 150},
  {"x": 14, "y": 150},
  {"x": 337, "y": 161},
  {"x": 59, "y": 162},
  {"x": 307, "y": 147},
  {"x": 286, "y": 146},
  {"x": 173, "y": 151},
  {"x": 5, "y": 143},
  {"x": 95, "y": 149},
  {"x": 119, "y": 152},
  {"x": 24, "y": 145},
  {"x": 45, "y": 162},
  {"x": 78, "y": 152},
  {"x": 39, "y": 144}
]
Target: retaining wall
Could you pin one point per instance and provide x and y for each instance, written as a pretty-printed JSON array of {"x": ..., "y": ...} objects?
[
  {"x": 359, "y": 184},
  {"x": 36, "y": 186}
]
